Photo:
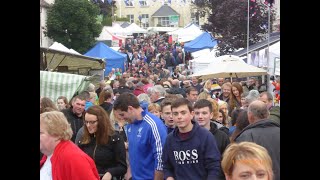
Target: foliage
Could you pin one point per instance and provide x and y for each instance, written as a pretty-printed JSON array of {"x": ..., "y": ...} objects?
[
  {"x": 228, "y": 22},
  {"x": 105, "y": 7},
  {"x": 74, "y": 24}
]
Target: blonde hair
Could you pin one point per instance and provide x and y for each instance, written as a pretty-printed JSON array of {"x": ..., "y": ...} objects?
[
  {"x": 249, "y": 153},
  {"x": 154, "y": 106},
  {"x": 203, "y": 95},
  {"x": 56, "y": 124}
]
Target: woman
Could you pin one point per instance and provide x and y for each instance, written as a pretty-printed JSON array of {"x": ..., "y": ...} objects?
[
  {"x": 47, "y": 103},
  {"x": 62, "y": 103},
  {"x": 242, "y": 122},
  {"x": 62, "y": 159},
  {"x": 235, "y": 97},
  {"x": 103, "y": 145},
  {"x": 224, "y": 107},
  {"x": 246, "y": 160}
]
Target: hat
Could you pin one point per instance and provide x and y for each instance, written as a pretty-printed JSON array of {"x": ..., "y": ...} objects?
[{"x": 215, "y": 87}]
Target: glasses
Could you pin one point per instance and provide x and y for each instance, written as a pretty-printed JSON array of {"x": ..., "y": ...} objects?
[{"x": 90, "y": 122}]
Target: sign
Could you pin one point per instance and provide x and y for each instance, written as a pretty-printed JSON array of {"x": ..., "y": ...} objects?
[{"x": 174, "y": 20}]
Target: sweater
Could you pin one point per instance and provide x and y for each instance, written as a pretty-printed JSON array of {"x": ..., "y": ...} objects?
[{"x": 196, "y": 157}]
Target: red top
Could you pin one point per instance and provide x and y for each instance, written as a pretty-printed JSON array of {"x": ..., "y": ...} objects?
[{"x": 70, "y": 162}]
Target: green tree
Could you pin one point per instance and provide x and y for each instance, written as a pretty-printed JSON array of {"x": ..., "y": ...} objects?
[
  {"x": 228, "y": 22},
  {"x": 74, "y": 23}
]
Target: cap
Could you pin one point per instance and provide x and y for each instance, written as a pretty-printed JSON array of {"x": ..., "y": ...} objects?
[{"x": 215, "y": 87}]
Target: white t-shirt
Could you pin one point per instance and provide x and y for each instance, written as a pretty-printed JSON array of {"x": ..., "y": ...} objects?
[{"x": 46, "y": 170}]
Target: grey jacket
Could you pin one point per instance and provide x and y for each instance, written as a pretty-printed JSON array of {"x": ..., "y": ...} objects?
[{"x": 267, "y": 134}]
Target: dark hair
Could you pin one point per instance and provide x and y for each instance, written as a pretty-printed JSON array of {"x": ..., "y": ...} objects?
[
  {"x": 242, "y": 122},
  {"x": 224, "y": 118},
  {"x": 189, "y": 89},
  {"x": 124, "y": 100},
  {"x": 45, "y": 103},
  {"x": 166, "y": 102},
  {"x": 104, "y": 129},
  {"x": 180, "y": 102},
  {"x": 234, "y": 115},
  {"x": 202, "y": 103}
]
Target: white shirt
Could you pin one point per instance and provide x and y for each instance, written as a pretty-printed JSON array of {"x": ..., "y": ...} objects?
[{"x": 46, "y": 170}]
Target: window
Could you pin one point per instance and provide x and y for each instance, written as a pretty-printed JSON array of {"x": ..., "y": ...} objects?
[
  {"x": 195, "y": 17},
  {"x": 129, "y": 3},
  {"x": 164, "y": 21},
  {"x": 145, "y": 20},
  {"x": 131, "y": 18},
  {"x": 143, "y": 3}
]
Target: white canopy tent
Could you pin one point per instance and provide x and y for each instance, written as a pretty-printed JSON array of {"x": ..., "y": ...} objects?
[
  {"x": 61, "y": 47},
  {"x": 133, "y": 28},
  {"x": 229, "y": 66},
  {"x": 116, "y": 29},
  {"x": 187, "y": 34}
]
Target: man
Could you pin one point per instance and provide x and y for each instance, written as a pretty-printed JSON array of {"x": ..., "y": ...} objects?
[
  {"x": 192, "y": 94},
  {"x": 102, "y": 84},
  {"x": 250, "y": 85},
  {"x": 203, "y": 113},
  {"x": 166, "y": 114},
  {"x": 190, "y": 151},
  {"x": 146, "y": 136},
  {"x": 267, "y": 98},
  {"x": 220, "y": 81},
  {"x": 74, "y": 114},
  {"x": 175, "y": 89},
  {"x": 156, "y": 93},
  {"x": 195, "y": 84},
  {"x": 226, "y": 92},
  {"x": 264, "y": 132}
]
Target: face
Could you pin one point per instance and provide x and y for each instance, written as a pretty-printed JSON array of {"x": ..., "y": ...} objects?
[
  {"x": 194, "y": 80},
  {"x": 243, "y": 100},
  {"x": 91, "y": 122},
  {"x": 235, "y": 91},
  {"x": 60, "y": 102},
  {"x": 47, "y": 142},
  {"x": 155, "y": 112},
  {"x": 264, "y": 99},
  {"x": 182, "y": 117},
  {"x": 153, "y": 96},
  {"x": 220, "y": 117},
  {"x": 78, "y": 106},
  {"x": 126, "y": 115},
  {"x": 220, "y": 81},
  {"x": 224, "y": 108},
  {"x": 226, "y": 91},
  {"x": 203, "y": 116},
  {"x": 192, "y": 96},
  {"x": 242, "y": 171},
  {"x": 166, "y": 115}
]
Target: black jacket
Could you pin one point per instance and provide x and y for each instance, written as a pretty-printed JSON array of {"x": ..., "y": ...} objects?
[
  {"x": 75, "y": 121},
  {"x": 266, "y": 133},
  {"x": 108, "y": 158},
  {"x": 220, "y": 136}
]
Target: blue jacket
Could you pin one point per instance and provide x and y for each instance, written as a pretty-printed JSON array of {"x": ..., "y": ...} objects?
[
  {"x": 196, "y": 157},
  {"x": 146, "y": 139}
]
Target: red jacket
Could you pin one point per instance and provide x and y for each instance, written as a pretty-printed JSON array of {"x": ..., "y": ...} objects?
[{"x": 70, "y": 162}]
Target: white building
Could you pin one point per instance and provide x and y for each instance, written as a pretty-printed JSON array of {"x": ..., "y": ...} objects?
[{"x": 44, "y": 5}]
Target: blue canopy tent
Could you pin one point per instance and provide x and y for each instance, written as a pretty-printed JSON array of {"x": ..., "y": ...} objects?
[
  {"x": 203, "y": 41},
  {"x": 113, "y": 58}
]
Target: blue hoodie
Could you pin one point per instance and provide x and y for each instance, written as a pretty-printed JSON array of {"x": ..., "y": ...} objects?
[
  {"x": 196, "y": 157},
  {"x": 146, "y": 139}
]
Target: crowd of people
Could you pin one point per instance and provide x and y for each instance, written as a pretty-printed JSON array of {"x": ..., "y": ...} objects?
[{"x": 154, "y": 121}]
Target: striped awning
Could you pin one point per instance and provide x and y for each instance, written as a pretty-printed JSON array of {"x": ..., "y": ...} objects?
[{"x": 55, "y": 84}]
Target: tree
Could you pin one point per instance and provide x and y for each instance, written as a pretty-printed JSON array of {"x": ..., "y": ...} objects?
[
  {"x": 228, "y": 22},
  {"x": 74, "y": 24}
]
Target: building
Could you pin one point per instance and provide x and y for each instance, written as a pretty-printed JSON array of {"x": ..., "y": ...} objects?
[
  {"x": 44, "y": 6},
  {"x": 153, "y": 13}
]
